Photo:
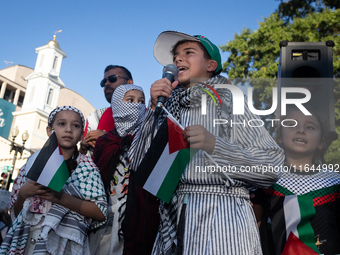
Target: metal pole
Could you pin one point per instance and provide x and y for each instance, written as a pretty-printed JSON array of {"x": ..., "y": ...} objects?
[{"x": 11, "y": 172}]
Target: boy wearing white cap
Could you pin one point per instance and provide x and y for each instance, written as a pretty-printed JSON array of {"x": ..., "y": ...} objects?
[{"x": 218, "y": 217}]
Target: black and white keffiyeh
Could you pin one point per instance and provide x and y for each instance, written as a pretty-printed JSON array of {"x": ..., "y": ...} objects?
[
  {"x": 65, "y": 108},
  {"x": 128, "y": 116},
  {"x": 191, "y": 97}
]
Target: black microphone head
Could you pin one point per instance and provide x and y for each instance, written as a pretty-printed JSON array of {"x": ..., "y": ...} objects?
[{"x": 170, "y": 70}]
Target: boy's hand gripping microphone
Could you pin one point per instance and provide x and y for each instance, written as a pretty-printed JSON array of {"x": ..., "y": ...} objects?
[{"x": 170, "y": 72}]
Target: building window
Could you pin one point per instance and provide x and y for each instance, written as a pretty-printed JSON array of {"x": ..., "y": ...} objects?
[
  {"x": 9, "y": 95},
  {"x": 20, "y": 101},
  {"x": 55, "y": 62},
  {"x": 50, "y": 97}
]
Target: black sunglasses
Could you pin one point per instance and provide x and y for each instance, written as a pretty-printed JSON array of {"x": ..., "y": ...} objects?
[{"x": 112, "y": 78}]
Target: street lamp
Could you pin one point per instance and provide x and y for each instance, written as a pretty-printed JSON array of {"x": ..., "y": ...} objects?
[{"x": 16, "y": 148}]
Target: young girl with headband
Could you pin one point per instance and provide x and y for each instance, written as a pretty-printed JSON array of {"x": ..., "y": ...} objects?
[{"x": 57, "y": 223}]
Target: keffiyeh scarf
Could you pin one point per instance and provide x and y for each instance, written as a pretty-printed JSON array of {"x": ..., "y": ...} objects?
[
  {"x": 62, "y": 229},
  {"x": 128, "y": 116},
  {"x": 128, "y": 119},
  {"x": 191, "y": 97}
]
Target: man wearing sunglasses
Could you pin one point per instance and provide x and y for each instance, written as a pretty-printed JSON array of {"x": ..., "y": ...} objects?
[{"x": 101, "y": 120}]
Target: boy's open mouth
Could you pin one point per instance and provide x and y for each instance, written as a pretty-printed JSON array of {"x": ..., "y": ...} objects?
[
  {"x": 299, "y": 140},
  {"x": 182, "y": 69}
]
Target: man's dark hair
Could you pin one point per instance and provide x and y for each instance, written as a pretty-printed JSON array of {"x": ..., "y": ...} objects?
[{"x": 125, "y": 70}]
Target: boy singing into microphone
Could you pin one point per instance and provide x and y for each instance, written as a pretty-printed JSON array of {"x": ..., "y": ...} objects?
[{"x": 218, "y": 217}]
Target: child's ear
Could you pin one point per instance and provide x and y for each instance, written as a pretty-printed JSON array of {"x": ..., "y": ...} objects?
[
  {"x": 49, "y": 131},
  {"x": 212, "y": 66},
  {"x": 321, "y": 145}
]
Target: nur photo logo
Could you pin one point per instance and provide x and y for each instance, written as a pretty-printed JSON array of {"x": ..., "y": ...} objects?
[
  {"x": 238, "y": 99},
  {"x": 238, "y": 103}
]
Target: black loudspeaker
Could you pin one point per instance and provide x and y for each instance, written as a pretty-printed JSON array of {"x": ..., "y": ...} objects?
[{"x": 310, "y": 65}]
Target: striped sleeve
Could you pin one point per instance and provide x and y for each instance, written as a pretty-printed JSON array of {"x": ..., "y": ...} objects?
[
  {"x": 93, "y": 119},
  {"x": 142, "y": 140},
  {"x": 251, "y": 150}
]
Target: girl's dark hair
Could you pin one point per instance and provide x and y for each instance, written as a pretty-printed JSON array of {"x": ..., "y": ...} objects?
[
  {"x": 319, "y": 155},
  {"x": 72, "y": 162}
]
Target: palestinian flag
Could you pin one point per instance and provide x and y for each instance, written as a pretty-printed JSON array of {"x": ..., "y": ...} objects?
[
  {"x": 291, "y": 213},
  {"x": 294, "y": 246},
  {"x": 47, "y": 166},
  {"x": 165, "y": 161}
]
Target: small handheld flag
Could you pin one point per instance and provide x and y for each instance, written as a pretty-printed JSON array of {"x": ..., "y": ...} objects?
[
  {"x": 47, "y": 166},
  {"x": 165, "y": 161}
]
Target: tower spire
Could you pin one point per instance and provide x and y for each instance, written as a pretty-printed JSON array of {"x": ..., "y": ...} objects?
[{"x": 55, "y": 34}]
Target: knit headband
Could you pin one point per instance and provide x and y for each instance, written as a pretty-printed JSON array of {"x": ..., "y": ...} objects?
[{"x": 65, "y": 108}]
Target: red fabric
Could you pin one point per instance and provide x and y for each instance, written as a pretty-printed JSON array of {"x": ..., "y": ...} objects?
[
  {"x": 105, "y": 145},
  {"x": 106, "y": 154},
  {"x": 85, "y": 130},
  {"x": 273, "y": 192},
  {"x": 294, "y": 246},
  {"x": 106, "y": 122},
  {"x": 326, "y": 199},
  {"x": 175, "y": 137}
]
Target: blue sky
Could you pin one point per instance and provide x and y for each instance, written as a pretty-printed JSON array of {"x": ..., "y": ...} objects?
[{"x": 98, "y": 33}]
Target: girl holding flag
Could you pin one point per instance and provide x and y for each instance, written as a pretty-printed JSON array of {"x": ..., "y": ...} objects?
[
  {"x": 303, "y": 207},
  {"x": 57, "y": 222}
]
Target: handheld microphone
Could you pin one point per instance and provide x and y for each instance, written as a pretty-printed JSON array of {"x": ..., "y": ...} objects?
[{"x": 170, "y": 72}]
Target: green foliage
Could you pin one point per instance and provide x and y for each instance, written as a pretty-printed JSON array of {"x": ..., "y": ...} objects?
[
  {"x": 255, "y": 54},
  {"x": 333, "y": 153},
  {"x": 289, "y": 10}
]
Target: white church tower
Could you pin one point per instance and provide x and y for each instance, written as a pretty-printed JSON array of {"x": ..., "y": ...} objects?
[
  {"x": 43, "y": 87},
  {"x": 45, "y": 79}
]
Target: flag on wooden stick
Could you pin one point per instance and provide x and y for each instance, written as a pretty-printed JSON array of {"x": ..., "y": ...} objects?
[{"x": 47, "y": 166}]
